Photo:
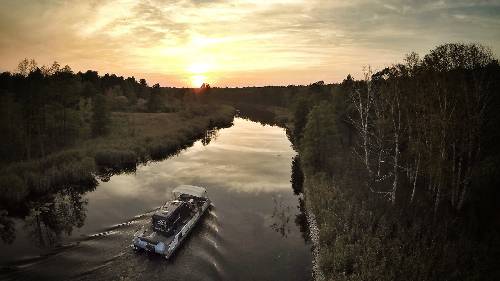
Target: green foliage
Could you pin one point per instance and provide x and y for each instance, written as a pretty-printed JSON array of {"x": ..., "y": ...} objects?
[
  {"x": 12, "y": 188},
  {"x": 100, "y": 116},
  {"x": 75, "y": 169},
  {"x": 320, "y": 139},
  {"x": 68, "y": 169},
  {"x": 47, "y": 156},
  {"x": 113, "y": 157},
  {"x": 300, "y": 110},
  {"x": 447, "y": 107},
  {"x": 154, "y": 103},
  {"x": 46, "y": 109}
]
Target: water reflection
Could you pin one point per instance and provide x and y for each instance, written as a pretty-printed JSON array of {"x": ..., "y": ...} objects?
[
  {"x": 247, "y": 172},
  {"x": 106, "y": 170},
  {"x": 257, "y": 114},
  {"x": 7, "y": 228},
  {"x": 280, "y": 225},
  {"x": 282, "y": 212},
  {"x": 48, "y": 221},
  {"x": 281, "y": 216},
  {"x": 301, "y": 220},
  {"x": 104, "y": 173},
  {"x": 209, "y": 136},
  {"x": 297, "y": 177}
]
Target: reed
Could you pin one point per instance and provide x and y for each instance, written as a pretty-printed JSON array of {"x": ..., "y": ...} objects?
[{"x": 134, "y": 138}]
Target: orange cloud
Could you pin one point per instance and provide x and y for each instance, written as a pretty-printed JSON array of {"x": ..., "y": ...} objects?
[{"x": 238, "y": 42}]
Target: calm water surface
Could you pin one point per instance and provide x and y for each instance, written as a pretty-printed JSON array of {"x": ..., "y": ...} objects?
[{"x": 251, "y": 233}]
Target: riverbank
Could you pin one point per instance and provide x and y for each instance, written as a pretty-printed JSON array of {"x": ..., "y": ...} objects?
[
  {"x": 386, "y": 204},
  {"x": 281, "y": 116},
  {"x": 247, "y": 179},
  {"x": 133, "y": 138}
]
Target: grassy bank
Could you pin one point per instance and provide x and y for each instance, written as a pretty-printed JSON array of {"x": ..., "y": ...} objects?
[{"x": 133, "y": 138}]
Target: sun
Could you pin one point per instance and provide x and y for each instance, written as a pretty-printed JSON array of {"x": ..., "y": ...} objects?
[
  {"x": 198, "y": 80},
  {"x": 198, "y": 72}
]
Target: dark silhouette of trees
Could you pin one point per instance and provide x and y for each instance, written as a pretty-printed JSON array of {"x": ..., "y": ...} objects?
[
  {"x": 100, "y": 116},
  {"x": 422, "y": 120},
  {"x": 297, "y": 177},
  {"x": 154, "y": 103},
  {"x": 300, "y": 110},
  {"x": 320, "y": 135},
  {"x": 45, "y": 109},
  {"x": 406, "y": 185}
]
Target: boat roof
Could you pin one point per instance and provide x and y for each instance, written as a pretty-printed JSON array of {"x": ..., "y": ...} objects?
[{"x": 197, "y": 191}]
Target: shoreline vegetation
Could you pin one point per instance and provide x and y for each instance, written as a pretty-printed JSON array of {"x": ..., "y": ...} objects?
[
  {"x": 63, "y": 130},
  {"x": 399, "y": 169},
  {"x": 134, "y": 138}
]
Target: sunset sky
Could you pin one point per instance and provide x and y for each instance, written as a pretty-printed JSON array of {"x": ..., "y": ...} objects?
[{"x": 237, "y": 42}]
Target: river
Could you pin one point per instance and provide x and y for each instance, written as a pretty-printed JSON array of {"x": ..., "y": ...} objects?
[{"x": 254, "y": 231}]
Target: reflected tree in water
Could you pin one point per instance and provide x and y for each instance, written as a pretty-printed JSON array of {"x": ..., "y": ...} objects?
[
  {"x": 281, "y": 217},
  {"x": 301, "y": 220},
  {"x": 209, "y": 136},
  {"x": 7, "y": 229},
  {"x": 48, "y": 221},
  {"x": 297, "y": 178},
  {"x": 48, "y": 215},
  {"x": 104, "y": 174},
  {"x": 256, "y": 114},
  {"x": 297, "y": 181}
]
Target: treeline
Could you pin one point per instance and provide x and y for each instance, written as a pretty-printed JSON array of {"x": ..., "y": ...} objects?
[
  {"x": 62, "y": 131},
  {"x": 401, "y": 168},
  {"x": 263, "y": 96},
  {"x": 46, "y": 108},
  {"x": 427, "y": 123}
]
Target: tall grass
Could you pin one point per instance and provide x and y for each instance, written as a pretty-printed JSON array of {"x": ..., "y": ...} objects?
[{"x": 155, "y": 136}]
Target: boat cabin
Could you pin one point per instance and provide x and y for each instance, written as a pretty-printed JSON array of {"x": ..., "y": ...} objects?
[{"x": 170, "y": 216}]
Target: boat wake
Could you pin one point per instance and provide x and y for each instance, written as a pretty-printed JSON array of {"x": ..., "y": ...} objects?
[{"x": 106, "y": 253}]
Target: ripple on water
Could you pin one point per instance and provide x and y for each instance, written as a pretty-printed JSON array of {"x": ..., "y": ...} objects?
[{"x": 234, "y": 241}]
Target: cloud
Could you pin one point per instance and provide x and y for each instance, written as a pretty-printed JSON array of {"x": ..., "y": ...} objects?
[{"x": 238, "y": 38}]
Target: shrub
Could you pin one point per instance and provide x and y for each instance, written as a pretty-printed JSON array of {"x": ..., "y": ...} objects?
[{"x": 12, "y": 189}]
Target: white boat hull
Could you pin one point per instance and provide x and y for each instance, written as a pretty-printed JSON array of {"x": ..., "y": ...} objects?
[{"x": 166, "y": 246}]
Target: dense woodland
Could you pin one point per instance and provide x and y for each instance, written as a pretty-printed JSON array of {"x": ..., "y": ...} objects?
[
  {"x": 46, "y": 108},
  {"x": 399, "y": 167},
  {"x": 61, "y": 131}
]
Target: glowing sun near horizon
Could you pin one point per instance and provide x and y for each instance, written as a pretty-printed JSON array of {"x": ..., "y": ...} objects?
[
  {"x": 198, "y": 80},
  {"x": 198, "y": 74}
]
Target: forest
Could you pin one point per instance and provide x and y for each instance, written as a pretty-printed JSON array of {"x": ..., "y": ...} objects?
[
  {"x": 399, "y": 167},
  {"x": 62, "y": 131},
  {"x": 49, "y": 107}
]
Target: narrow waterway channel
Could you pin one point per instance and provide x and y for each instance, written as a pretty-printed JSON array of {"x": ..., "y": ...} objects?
[{"x": 253, "y": 231}]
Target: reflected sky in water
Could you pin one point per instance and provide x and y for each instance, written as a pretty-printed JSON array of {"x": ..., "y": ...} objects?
[
  {"x": 251, "y": 233},
  {"x": 247, "y": 157},
  {"x": 246, "y": 171}
]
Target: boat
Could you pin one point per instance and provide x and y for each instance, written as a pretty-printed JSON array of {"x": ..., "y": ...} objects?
[{"x": 172, "y": 223}]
